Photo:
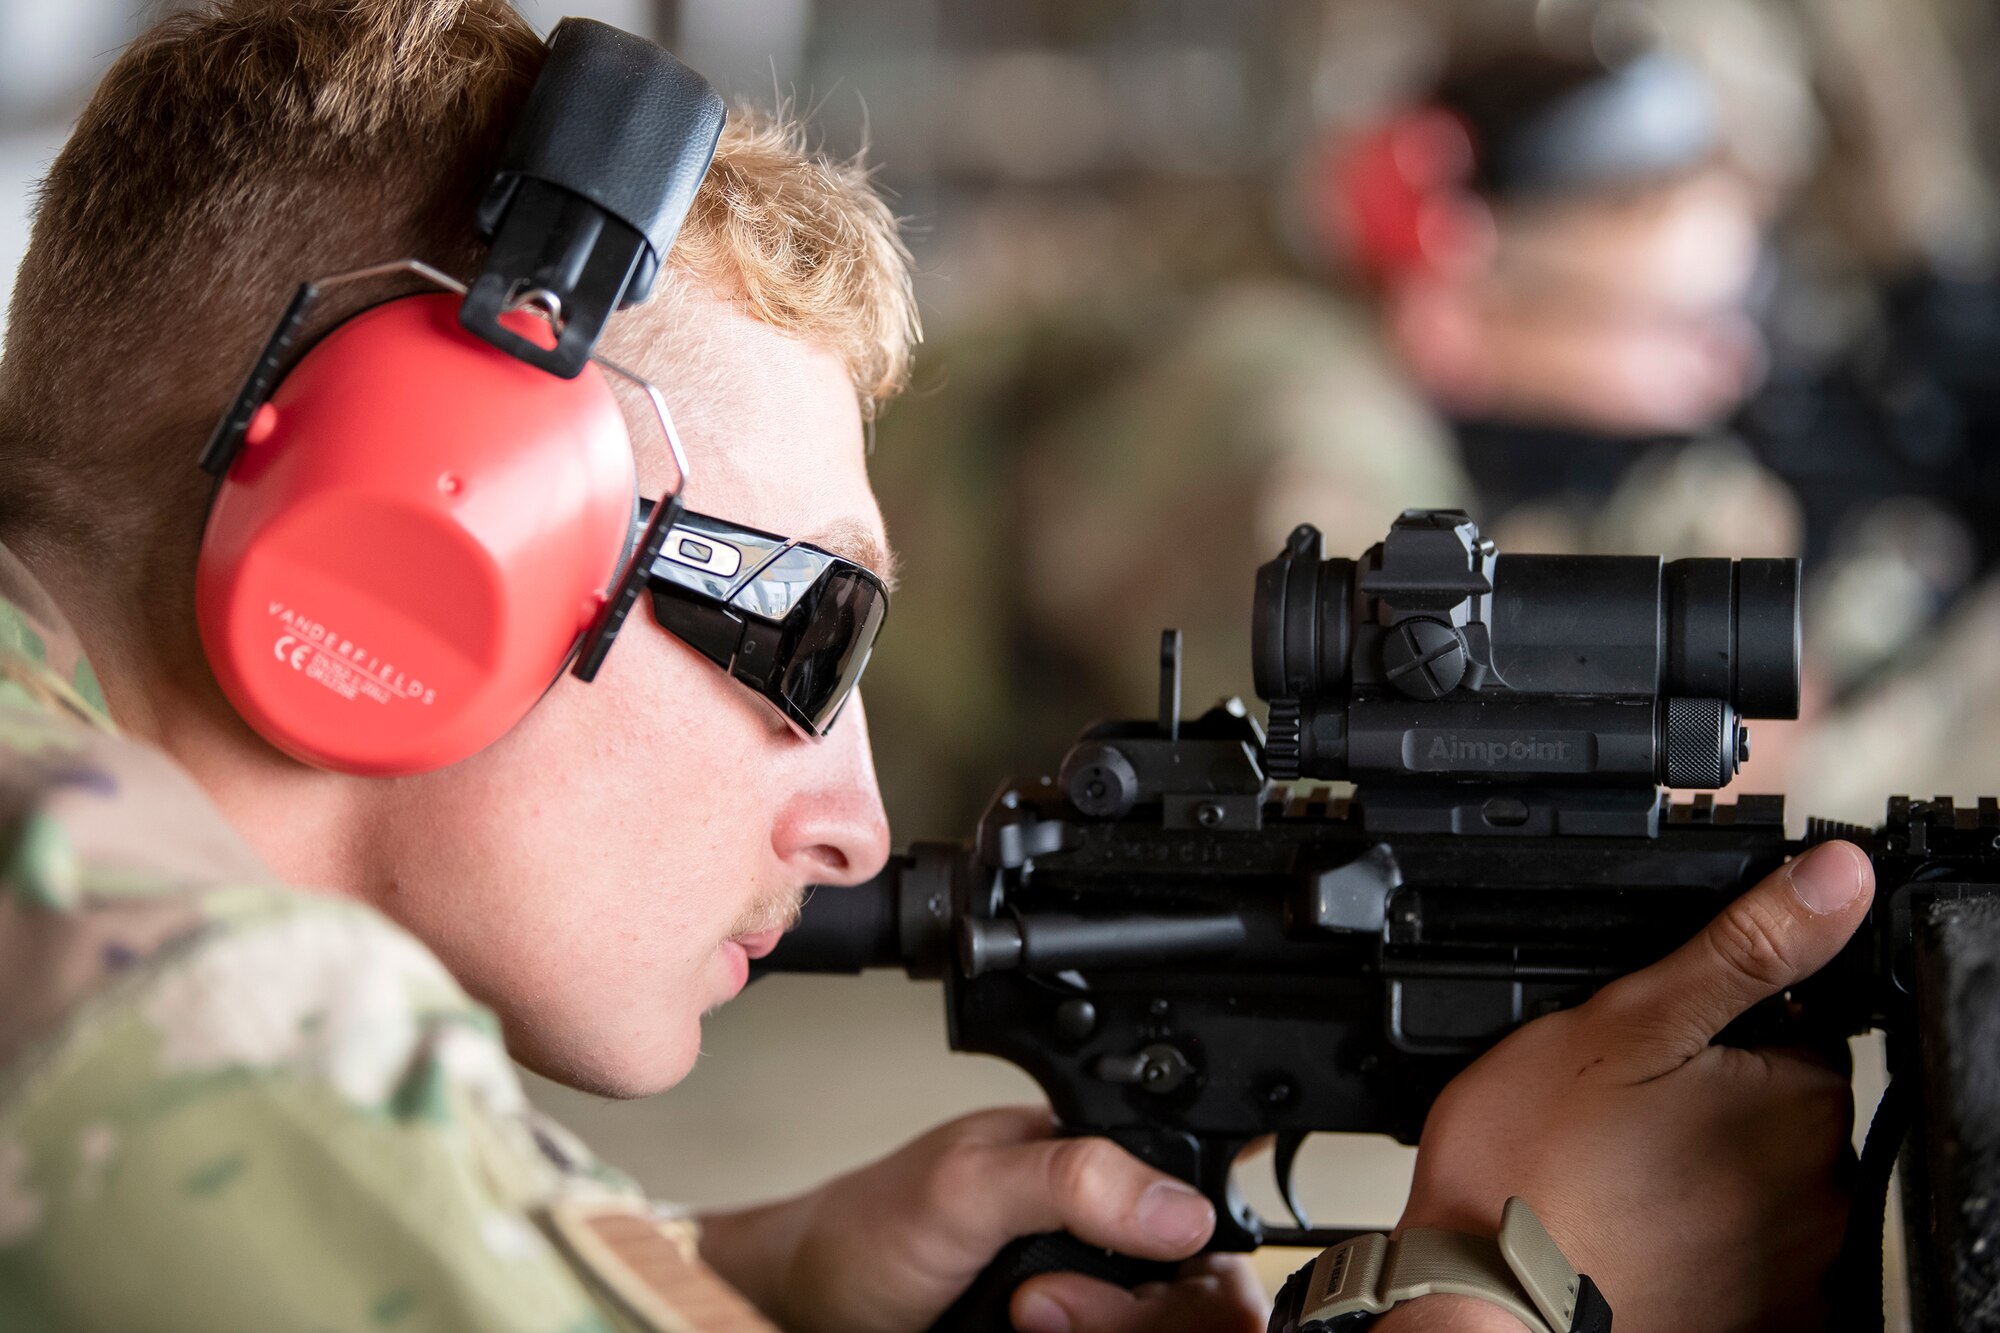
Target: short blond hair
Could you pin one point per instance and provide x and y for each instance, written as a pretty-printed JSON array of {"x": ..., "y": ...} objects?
[{"x": 238, "y": 148}]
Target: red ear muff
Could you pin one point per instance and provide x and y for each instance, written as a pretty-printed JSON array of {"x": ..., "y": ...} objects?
[
  {"x": 1397, "y": 198},
  {"x": 417, "y": 530}
]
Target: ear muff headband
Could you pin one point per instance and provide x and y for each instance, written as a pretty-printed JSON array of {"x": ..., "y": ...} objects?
[{"x": 426, "y": 518}]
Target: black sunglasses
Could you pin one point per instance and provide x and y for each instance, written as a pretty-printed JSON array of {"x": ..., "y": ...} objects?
[{"x": 790, "y": 620}]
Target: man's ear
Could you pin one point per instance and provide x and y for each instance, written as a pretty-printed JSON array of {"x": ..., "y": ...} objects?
[{"x": 1437, "y": 328}]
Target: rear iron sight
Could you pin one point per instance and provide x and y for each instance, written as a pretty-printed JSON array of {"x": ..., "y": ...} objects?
[{"x": 1435, "y": 659}]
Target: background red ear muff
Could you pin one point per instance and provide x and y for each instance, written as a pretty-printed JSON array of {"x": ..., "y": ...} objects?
[
  {"x": 416, "y": 532},
  {"x": 1397, "y": 198}
]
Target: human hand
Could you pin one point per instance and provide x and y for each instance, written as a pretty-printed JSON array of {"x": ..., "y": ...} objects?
[
  {"x": 1700, "y": 1186},
  {"x": 888, "y": 1248}
]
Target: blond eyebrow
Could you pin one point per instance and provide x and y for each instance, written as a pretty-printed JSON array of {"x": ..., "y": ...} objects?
[{"x": 857, "y": 542}]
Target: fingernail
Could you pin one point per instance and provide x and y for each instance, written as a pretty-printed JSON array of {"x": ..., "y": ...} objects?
[
  {"x": 1826, "y": 879},
  {"x": 1174, "y": 1214},
  {"x": 1039, "y": 1314}
]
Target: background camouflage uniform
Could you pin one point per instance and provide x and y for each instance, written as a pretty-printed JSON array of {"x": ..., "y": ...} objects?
[{"x": 228, "y": 1105}]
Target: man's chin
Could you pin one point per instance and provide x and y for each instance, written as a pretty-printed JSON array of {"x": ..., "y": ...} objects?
[{"x": 639, "y": 1066}]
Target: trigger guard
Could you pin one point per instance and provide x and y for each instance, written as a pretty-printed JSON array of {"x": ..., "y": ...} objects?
[
  {"x": 1282, "y": 1162},
  {"x": 1206, "y": 1164}
]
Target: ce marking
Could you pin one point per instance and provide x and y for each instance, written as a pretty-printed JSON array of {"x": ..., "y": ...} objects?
[{"x": 296, "y": 655}]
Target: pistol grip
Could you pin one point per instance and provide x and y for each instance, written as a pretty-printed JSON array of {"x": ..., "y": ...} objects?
[{"x": 983, "y": 1306}]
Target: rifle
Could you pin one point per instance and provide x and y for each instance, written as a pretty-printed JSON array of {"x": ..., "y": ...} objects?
[{"x": 1188, "y": 948}]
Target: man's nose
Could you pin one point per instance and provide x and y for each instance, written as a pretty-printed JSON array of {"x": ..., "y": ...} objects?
[{"x": 831, "y": 827}]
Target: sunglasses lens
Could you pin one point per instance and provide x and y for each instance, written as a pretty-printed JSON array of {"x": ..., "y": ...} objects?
[
  {"x": 792, "y": 622},
  {"x": 827, "y": 640}
]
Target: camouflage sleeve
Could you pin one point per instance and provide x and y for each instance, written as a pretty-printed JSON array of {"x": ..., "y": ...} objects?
[
  {"x": 229, "y": 1105},
  {"x": 290, "y": 1120},
  {"x": 41, "y": 663}
]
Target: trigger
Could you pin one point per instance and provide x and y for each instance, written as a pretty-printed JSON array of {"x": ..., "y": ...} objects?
[{"x": 1289, "y": 1143}]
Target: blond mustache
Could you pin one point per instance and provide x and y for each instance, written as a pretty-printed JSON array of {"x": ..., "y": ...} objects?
[{"x": 779, "y": 911}]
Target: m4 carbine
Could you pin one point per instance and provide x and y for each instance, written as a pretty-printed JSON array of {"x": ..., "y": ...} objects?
[{"x": 1188, "y": 947}]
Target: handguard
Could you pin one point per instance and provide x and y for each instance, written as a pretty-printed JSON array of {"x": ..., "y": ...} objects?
[{"x": 1523, "y": 1272}]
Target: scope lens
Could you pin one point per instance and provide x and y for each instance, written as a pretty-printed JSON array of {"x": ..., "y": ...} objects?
[
  {"x": 1301, "y": 622},
  {"x": 1733, "y": 634},
  {"x": 1767, "y": 638},
  {"x": 1267, "y": 629}
]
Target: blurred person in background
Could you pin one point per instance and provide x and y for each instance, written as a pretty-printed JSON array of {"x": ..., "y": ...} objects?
[
  {"x": 1537, "y": 290},
  {"x": 1690, "y": 300},
  {"x": 1544, "y": 261}
]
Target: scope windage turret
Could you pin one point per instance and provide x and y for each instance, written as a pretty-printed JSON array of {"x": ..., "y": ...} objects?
[{"x": 1434, "y": 658}]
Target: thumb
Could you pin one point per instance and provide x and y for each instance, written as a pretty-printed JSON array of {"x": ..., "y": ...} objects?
[
  {"x": 1096, "y": 1191},
  {"x": 1776, "y": 935}
]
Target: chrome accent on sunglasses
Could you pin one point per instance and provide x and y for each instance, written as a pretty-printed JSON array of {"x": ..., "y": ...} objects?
[{"x": 707, "y": 553}]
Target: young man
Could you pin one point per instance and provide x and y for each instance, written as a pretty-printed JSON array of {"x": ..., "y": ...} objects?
[
  {"x": 230, "y": 1103},
  {"x": 1533, "y": 275}
]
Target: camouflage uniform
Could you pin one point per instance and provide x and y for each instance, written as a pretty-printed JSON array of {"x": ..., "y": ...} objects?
[{"x": 228, "y": 1105}]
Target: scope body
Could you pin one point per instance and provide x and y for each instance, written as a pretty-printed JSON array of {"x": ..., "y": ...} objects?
[{"x": 1434, "y": 659}]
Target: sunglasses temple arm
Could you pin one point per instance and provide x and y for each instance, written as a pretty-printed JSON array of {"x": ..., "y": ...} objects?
[{"x": 618, "y": 605}]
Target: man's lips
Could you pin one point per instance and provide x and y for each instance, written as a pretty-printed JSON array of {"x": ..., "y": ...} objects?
[{"x": 759, "y": 944}]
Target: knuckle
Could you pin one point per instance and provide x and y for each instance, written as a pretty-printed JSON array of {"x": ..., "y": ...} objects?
[
  {"x": 1082, "y": 1170},
  {"x": 1749, "y": 941}
]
